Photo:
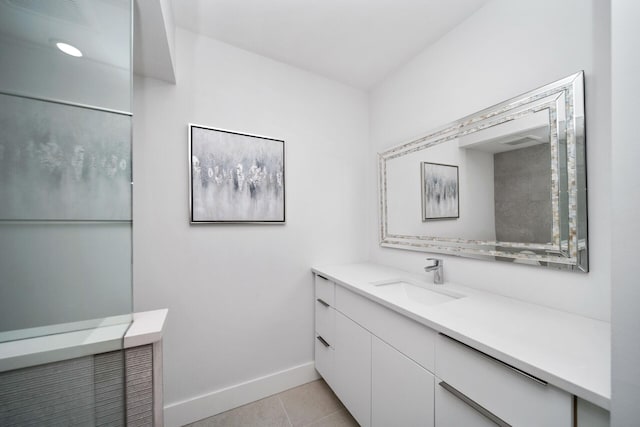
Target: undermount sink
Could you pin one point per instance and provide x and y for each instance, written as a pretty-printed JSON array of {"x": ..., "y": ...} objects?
[{"x": 404, "y": 290}]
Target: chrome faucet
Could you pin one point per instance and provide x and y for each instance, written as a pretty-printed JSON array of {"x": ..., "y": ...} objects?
[{"x": 437, "y": 268}]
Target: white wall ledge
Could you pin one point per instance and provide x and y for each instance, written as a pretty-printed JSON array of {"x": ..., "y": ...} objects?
[{"x": 147, "y": 327}]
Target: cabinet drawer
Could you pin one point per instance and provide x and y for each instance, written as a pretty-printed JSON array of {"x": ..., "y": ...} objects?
[
  {"x": 324, "y": 360},
  {"x": 508, "y": 394},
  {"x": 454, "y": 412},
  {"x": 325, "y": 321},
  {"x": 325, "y": 289},
  {"x": 408, "y": 336}
]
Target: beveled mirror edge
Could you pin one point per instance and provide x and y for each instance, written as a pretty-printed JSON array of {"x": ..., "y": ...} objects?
[{"x": 572, "y": 252}]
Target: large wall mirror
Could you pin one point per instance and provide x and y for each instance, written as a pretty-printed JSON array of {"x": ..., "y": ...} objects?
[{"x": 507, "y": 183}]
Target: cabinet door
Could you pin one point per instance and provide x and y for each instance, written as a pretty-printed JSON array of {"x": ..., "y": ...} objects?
[
  {"x": 590, "y": 415},
  {"x": 451, "y": 411},
  {"x": 352, "y": 368},
  {"x": 401, "y": 390}
]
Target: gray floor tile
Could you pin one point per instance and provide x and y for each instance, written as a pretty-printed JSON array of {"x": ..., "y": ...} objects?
[
  {"x": 309, "y": 402},
  {"x": 262, "y": 413},
  {"x": 341, "y": 418}
]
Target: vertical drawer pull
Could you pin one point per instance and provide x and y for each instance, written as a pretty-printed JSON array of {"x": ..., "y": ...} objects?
[
  {"x": 326, "y": 344},
  {"x": 506, "y": 365},
  {"x": 484, "y": 412},
  {"x": 321, "y": 301}
]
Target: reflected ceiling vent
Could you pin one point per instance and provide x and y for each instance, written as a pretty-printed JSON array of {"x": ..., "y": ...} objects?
[
  {"x": 521, "y": 141},
  {"x": 64, "y": 10},
  {"x": 527, "y": 139}
]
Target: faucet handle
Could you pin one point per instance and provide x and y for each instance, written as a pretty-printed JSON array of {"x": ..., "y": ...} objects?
[{"x": 437, "y": 262}]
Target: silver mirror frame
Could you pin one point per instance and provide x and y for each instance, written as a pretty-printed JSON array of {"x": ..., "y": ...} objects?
[{"x": 568, "y": 250}]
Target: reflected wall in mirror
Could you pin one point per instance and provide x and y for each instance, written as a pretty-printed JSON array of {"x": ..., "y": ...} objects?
[{"x": 520, "y": 187}]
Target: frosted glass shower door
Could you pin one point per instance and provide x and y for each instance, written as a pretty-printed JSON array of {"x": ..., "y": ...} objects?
[{"x": 65, "y": 166}]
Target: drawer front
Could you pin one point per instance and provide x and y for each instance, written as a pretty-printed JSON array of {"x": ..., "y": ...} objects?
[
  {"x": 324, "y": 360},
  {"x": 454, "y": 412},
  {"x": 325, "y": 321},
  {"x": 510, "y": 395},
  {"x": 325, "y": 289},
  {"x": 408, "y": 336}
]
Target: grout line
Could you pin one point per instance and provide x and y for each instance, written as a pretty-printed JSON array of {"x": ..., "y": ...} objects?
[
  {"x": 323, "y": 417},
  {"x": 285, "y": 410}
]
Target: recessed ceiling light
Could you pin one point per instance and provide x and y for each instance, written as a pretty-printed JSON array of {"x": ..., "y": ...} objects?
[{"x": 68, "y": 49}]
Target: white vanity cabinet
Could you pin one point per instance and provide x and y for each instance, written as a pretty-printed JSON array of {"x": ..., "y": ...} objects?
[
  {"x": 343, "y": 353},
  {"x": 362, "y": 362},
  {"x": 389, "y": 369}
]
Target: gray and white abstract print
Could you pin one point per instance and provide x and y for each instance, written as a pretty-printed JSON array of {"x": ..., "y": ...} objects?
[
  {"x": 236, "y": 177},
  {"x": 439, "y": 191}
]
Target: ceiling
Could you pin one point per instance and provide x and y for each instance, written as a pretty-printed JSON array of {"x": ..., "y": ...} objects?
[{"x": 357, "y": 42}]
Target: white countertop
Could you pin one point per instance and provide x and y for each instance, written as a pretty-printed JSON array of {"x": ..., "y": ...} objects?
[
  {"x": 146, "y": 327},
  {"x": 568, "y": 351}
]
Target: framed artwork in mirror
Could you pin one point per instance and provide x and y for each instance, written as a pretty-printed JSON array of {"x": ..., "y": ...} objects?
[
  {"x": 440, "y": 191},
  {"x": 235, "y": 177}
]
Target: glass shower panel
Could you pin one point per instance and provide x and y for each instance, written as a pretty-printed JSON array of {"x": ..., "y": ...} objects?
[
  {"x": 32, "y": 64},
  {"x": 65, "y": 166}
]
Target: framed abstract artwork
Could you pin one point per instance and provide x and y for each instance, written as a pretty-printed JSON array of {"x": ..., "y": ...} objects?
[
  {"x": 439, "y": 191},
  {"x": 235, "y": 177}
]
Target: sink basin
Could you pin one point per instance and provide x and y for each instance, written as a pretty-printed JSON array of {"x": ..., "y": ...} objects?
[{"x": 403, "y": 290}]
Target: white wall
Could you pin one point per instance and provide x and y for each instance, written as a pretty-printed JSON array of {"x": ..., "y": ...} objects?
[
  {"x": 154, "y": 40},
  {"x": 240, "y": 297},
  {"x": 626, "y": 204},
  {"x": 505, "y": 49}
]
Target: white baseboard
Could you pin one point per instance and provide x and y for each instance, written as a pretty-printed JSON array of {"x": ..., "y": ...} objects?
[{"x": 206, "y": 405}]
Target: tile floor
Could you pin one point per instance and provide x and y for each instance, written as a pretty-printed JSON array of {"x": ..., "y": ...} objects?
[{"x": 312, "y": 405}]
